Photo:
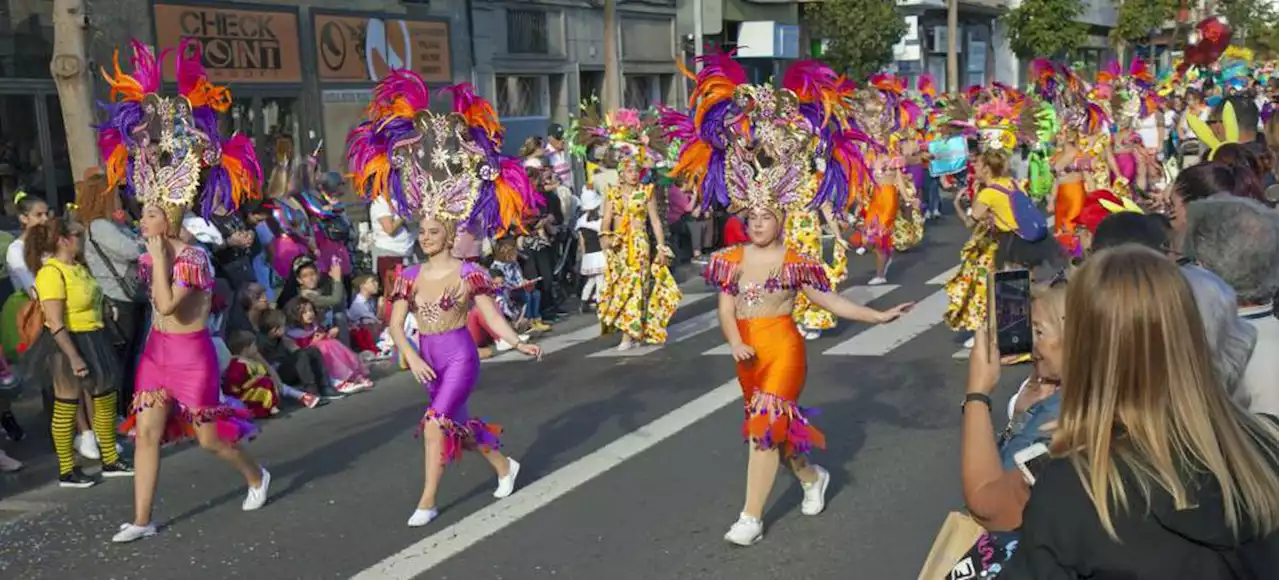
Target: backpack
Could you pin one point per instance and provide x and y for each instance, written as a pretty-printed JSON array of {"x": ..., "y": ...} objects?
[
  {"x": 30, "y": 321},
  {"x": 1030, "y": 223}
]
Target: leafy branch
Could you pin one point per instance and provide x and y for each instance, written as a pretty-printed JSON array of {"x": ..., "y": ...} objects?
[
  {"x": 1045, "y": 28},
  {"x": 860, "y": 34}
]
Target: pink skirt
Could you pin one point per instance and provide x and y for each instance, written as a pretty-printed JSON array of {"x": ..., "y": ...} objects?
[
  {"x": 340, "y": 362},
  {"x": 181, "y": 372}
]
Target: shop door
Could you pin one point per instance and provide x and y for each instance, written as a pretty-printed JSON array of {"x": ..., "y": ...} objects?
[
  {"x": 265, "y": 120},
  {"x": 33, "y": 148}
]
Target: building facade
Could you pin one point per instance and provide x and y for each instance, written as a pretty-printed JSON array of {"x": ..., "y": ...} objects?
[{"x": 302, "y": 71}]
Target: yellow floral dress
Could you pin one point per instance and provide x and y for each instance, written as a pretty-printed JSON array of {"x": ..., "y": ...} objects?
[
  {"x": 967, "y": 288},
  {"x": 804, "y": 236},
  {"x": 640, "y": 295},
  {"x": 908, "y": 227}
]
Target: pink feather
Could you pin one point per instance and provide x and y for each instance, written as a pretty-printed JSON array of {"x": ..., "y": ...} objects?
[
  {"x": 189, "y": 69},
  {"x": 807, "y": 78},
  {"x": 514, "y": 174},
  {"x": 146, "y": 69},
  {"x": 405, "y": 85},
  {"x": 108, "y": 140},
  {"x": 240, "y": 148},
  {"x": 721, "y": 64}
]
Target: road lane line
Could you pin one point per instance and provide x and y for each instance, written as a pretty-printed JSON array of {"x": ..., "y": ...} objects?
[
  {"x": 859, "y": 294},
  {"x": 942, "y": 278},
  {"x": 879, "y": 340},
  {"x": 559, "y": 342},
  {"x": 678, "y": 333},
  {"x": 431, "y": 551}
]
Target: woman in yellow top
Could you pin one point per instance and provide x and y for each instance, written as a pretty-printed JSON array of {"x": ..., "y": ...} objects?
[
  {"x": 74, "y": 354},
  {"x": 998, "y": 241},
  {"x": 640, "y": 294}
]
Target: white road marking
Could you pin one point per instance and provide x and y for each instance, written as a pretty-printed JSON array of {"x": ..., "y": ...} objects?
[
  {"x": 431, "y": 551},
  {"x": 859, "y": 294},
  {"x": 678, "y": 333},
  {"x": 879, "y": 340},
  {"x": 559, "y": 342},
  {"x": 942, "y": 278},
  {"x": 962, "y": 354}
]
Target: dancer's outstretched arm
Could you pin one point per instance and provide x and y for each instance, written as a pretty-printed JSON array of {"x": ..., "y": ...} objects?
[
  {"x": 849, "y": 310},
  {"x": 494, "y": 319}
]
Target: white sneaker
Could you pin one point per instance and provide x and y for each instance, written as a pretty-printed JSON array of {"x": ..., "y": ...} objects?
[
  {"x": 812, "y": 334},
  {"x": 503, "y": 346},
  {"x": 877, "y": 281},
  {"x": 422, "y": 517},
  {"x": 257, "y": 496},
  {"x": 969, "y": 343},
  {"x": 507, "y": 485},
  {"x": 746, "y": 531},
  {"x": 131, "y": 533},
  {"x": 86, "y": 445},
  {"x": 815, "y": 493},
  {"x": 860, "y": 251}
]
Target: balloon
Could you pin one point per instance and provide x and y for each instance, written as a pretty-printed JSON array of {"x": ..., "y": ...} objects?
[{"x": 1207, "y": 41}]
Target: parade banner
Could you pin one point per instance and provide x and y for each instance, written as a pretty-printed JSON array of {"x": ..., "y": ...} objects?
[
  {"x": 352, "y": 48},
  {"x": 238, "y": 45}
]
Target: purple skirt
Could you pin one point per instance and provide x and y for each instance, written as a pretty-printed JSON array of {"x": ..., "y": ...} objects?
[{"x": 456, "y": 362}]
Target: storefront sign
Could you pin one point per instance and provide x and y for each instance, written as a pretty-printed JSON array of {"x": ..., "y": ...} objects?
[
  {"x": 360, "y": 48},
  {"x": 244, "y": 46}
]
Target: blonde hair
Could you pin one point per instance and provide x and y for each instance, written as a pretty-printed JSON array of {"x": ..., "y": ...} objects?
[
  {"x": 996, "y": 161},
  {"x": 1052, "y": 299},
  {"x": 1140, "y": 393}
]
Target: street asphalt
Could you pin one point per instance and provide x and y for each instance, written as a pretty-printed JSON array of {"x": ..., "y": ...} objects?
[{"x": 633, "y": 469}]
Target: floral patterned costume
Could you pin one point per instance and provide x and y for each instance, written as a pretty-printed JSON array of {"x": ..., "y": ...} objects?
[
  {"x": 804, "y": 237},
  {"x": 640, "y": 294}
]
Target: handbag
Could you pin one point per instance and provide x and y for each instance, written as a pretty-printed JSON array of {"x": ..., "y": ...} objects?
[
  {"x": 130, "y": 282},
  {"x": 955, "y": 538}
]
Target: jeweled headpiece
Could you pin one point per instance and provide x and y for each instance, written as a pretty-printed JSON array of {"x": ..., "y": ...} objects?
[
  {"x": 1130, "y": 95},
  {"x": 753, "y": 146},
  {"x": 446, "y": 167},
  {"x": 167, "y": 150},
  {"x": 628, "y": 132}
]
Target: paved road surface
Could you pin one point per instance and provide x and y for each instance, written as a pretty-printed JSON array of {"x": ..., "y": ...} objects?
[{"x": 633, "y": 470}]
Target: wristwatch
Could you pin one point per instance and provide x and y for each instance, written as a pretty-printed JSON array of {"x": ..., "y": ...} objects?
[{"x": 975, "y": 398}]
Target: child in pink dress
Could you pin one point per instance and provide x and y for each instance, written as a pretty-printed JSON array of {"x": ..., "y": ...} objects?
[{"x": 341, "y": 363}]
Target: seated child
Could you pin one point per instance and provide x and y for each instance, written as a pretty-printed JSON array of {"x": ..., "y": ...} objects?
[
  {"x": 303, "y": 367},
  {"x": 522, "y": 290},
  {"x": 254, "y": 383},
  {"x": 340, "y": 362},
  {"x": 363, "y": 318}
]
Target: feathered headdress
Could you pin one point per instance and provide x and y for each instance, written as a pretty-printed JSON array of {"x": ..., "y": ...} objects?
[
  {"x": 627, "y": 131},
  {"x": 442, "y": 167},
  {"x": 168, "y": 151},
  {"x": 1097, "y": 206},
  {"x": 753, "y": 146}
]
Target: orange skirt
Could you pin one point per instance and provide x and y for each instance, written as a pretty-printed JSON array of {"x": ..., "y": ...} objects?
[
  {"x": 771, "y": 383},
  {"x": 881, "y": 215},
  {"x": 1067, "y": 206}
]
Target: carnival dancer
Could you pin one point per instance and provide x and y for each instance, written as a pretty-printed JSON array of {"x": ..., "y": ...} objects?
[
  {"x": 1130, "y": 98},
  {"x": 159, "y": 147},
  {"x": 890, "y": 195},
  {"x": 639, "y": 295},
  {"x": 775, "y": 172},
  {"x": 1081, "y": 166},
  {"x": 448, "y": 172},
  {"x": 1008, "y": 230}
]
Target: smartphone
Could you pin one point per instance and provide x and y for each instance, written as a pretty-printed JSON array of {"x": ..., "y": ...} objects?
[
  {"x": 1031, "y": 461},
  {"x": 1012, "y": 305}
]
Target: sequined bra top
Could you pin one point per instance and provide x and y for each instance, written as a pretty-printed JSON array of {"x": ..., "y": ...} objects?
[
  {"x": 774, "y": 295},
  {"x": 442, "y": 305},
  {"x": 192, "y": 268}
]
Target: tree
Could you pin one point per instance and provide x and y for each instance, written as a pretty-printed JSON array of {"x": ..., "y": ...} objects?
[
  {"x": 70, "y": 70},
  {"x": 1253, "y": 24},
  {"x": 1045, "y": 28},
  {"x": 953, "y": 43},
  {"x": 860, "y": 34},
  {"x": 612, "y": 90},
  {"x": 1138, "y": 18}
]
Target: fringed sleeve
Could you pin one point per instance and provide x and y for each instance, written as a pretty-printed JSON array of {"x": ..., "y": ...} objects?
[
  {"x": 478, "y": 281},
  {"x": 722, "y": 270},
  {"x": 402, "y": 287},
  {"x": 193, "y": 269},
  {"x": 799, "y": 272}
]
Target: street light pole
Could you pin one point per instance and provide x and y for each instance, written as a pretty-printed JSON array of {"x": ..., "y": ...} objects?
[{"x": 697, "y": 34}]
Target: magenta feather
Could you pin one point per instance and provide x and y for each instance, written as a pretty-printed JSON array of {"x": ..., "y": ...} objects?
[
  {"x": 404, "y": 85},
  {"x": 189, "y": 68},
  {"x": 240, "y": 148},
  {"x": 146, "y": 69},
  {"x": 721, "y": 64},
  {"x": 514, "y": 175},
  {"x": 808, "y": 78},
  {"x": 675, "y": 124},
  {"x": 464, "y": 96},
  {"x": 108, "y": 140}
]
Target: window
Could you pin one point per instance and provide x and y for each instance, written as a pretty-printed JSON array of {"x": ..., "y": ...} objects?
[
  {"x": 520, "y": 96},
  {"x": 641, "y": 92},
  {"x": 527, "y": 32}
]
